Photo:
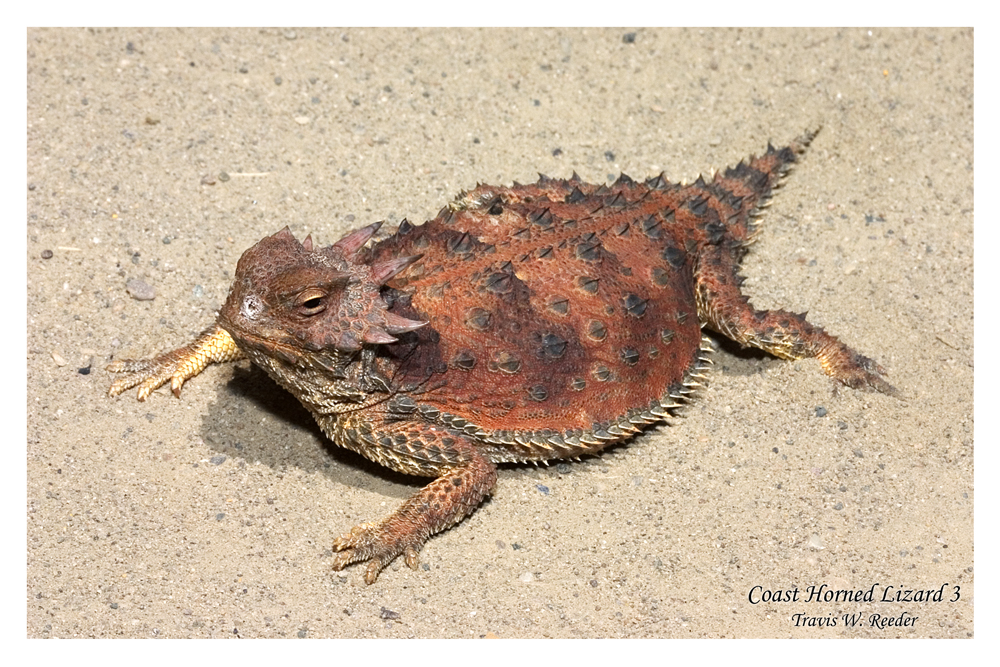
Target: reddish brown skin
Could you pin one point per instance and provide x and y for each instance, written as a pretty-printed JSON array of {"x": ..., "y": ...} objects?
[{"x": 523, "y": 323}]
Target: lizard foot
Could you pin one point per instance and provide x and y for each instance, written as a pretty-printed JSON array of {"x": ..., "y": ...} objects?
[
  {"x": 378, "y": 542},
  {"x": 213, "y": 346},
  {"x": 855, "y": 370}
]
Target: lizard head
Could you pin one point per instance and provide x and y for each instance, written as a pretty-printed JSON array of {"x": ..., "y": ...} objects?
[{"x": 289, "y": 299}]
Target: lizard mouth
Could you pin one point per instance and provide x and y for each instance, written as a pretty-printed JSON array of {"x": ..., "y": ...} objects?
[
  {"x": 265, "y": 348},
  {"x": 268, "y": 342}
]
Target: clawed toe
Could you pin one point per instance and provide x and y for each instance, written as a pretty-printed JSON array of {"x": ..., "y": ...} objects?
[
  {"x": 148, "y": 375},
  {"x": 375, "y": 543},
  {"x": 214, "y": 345},
  {"x": 865, "y": 372}
]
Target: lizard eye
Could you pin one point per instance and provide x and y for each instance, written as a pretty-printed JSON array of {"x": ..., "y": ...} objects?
[{"x": 310, "y": 302}]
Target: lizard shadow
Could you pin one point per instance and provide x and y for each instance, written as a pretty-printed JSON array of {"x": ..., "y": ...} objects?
[
  {"x": 255, "y": 419},
  {"x": 732, "y": 359}
]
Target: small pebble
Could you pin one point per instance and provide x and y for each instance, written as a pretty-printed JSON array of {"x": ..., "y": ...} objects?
[
  {"x": 527, "y": 577},
  {"x": 820, "y": 411},
  {"x": 388, "y": 614},
  {"x": 46, "y": 254},
  {"x": 629, "y": 38},
  {"x": 220, "y": 516},
  {"x": 544, "y": 489},
  {"x": 223, "y": 176},
  {"x": 58, "y": 358},
  {"x": 277, "y": 80},
  {"x": 140, "y": 290},
  {"x": 217, "y": 460}
]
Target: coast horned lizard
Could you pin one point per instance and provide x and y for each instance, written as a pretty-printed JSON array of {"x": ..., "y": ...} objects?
[{"x": 524, "y": 323}]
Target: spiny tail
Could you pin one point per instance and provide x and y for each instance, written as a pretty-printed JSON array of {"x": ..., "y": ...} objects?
[{"x": 751, "y": 184}]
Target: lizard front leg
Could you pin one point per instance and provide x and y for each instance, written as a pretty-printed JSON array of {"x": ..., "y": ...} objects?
[
  {"x": 214, "y": 345},
  {"x": 465, "y": 476}
]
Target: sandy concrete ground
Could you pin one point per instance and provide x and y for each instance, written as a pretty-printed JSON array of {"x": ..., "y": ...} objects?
[{"x": 212, "y": 516}]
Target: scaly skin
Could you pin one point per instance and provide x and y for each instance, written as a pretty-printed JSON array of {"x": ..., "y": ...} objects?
[
  {"x": 527, "y": 323},
  {"x": 213, "y": 346}
]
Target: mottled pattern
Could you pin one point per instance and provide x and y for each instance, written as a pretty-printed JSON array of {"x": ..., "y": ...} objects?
[{"x": 523, "y": 323}]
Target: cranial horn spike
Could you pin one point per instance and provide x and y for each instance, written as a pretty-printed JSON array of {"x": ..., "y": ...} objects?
[
  {"x": 351, "y": 243},
  {"x": 338, "y": 278},
  {"x": 284, "y": 233},
  {"x": 377, "y": 336},
  {"x": 386, "y": 270},
  {"x": 396, "y": 324},
  {"x": 307, "y": 243}
]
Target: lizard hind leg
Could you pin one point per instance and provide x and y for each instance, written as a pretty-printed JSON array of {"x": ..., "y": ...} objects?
[
  {"x": 462, "y": 483},
  {"x": 787, "y": 335}
]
